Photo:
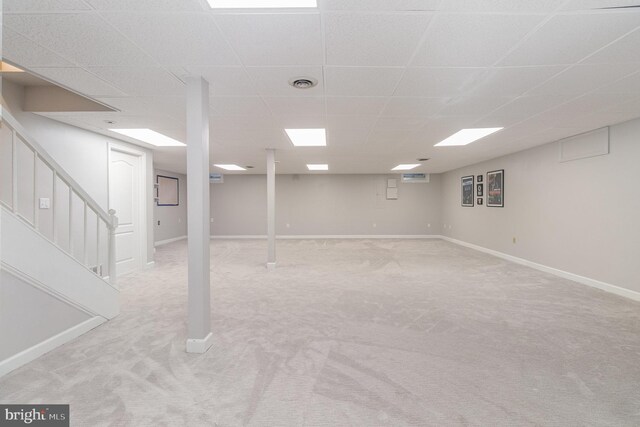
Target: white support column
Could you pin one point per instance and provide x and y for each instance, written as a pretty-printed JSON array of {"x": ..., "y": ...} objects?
[
  {"x": 271, "y": 208},
  {"x": 199, "y": 337}
]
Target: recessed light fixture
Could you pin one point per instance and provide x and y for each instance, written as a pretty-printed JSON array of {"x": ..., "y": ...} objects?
[
  {"x": 318, "y": 167},
  {"x": 150, "y": 137},
  {"x": 230, "y": 167},
  {"x": 307, "y": 137},
  {"x": 467, "y": 136},
  {"x": 405, "y": 167},
  {"x": 8, "y": 68},
  {"x": 260, "y": 4}
]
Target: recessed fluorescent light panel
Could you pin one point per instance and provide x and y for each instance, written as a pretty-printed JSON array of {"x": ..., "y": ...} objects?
[
  {"x": 230, "y": 167},
  {"x": 307, "y": 137},
  {"x": 150, "y": 137},
  {"x": 466, "y": 136},
  {"x": 318, "y": 167},
  {"x": 260, "y": 4},
  {"x": 405, "y": 167},
  {"x": 8, "y": 68}
]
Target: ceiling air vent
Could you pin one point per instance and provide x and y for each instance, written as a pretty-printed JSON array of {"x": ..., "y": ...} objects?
[{"x": 303, "y": 82}]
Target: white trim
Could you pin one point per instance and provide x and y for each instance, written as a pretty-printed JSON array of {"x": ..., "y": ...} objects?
[
  {"x": 333, "y": 236},
  {"x": 32, "y": 353},
  {"x": 201, "y": 345},
  {"x": 164, "y": 242},
  {"x": 151, "y": 264},
  {"x": 271, "y": 266},
  {"x": 607, "y": 287}
]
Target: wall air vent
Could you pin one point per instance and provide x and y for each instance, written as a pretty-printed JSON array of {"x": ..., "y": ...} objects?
[{"x": 409, "y": 178}]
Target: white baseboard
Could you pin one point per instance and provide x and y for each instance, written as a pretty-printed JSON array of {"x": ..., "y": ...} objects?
[
  {"x": 332, "y": 236},
  {"x": 164, "y": 242},
  {"x": 271, "y": 266},
  {"x": 32, "y": 353},
  {"x": 150, "y": 264},
  {"x": 201, "y": 345},
  {"x": 623, "y": 292}
]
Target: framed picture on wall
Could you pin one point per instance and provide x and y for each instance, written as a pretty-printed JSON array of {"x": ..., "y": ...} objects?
[
  {"x": 479, "y": 201},
  {"x": 467, "y": 190},
  {"x": 479, "y": 190},
  {"x": 168, "y": 191},
  {"x": 479, "y": 178},
  {"x": 495, "y": 188}
]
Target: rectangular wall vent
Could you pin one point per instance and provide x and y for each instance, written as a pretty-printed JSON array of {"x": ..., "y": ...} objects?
[{"x": 415, "y": 178}]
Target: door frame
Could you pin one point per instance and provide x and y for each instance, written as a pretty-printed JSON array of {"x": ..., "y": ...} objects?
[{"x": 142, "y": 207}]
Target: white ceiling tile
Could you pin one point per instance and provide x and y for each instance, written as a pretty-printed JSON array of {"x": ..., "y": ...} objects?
[
  {"x": 413, "y": 107},
  {"x": 581, "y": 79},
  {"x": 626, "y": 49},
  {"x": 364, "y": 106},
  {"x": 224, "y": 81},
  {"x": 514, "y": 81},
  {"x": 24, "y": 52},
  {"x": 508, "y": 6},
  {"x": 628, "y": 84},
  {"x": 399, "y": 123},
  {"x": 304, "y": 106},
  {"x": 140, "y": 81},
  {"x": 582, "y": 5},
  {"x": 147, "y": 5},
  {"x": 472, "y": 40},
  {"x": 175, "y": 38},
  {"x": 361, "y": 81},
  {"x": 478, "y": 106},
  {"x": 380, "y": 5},
  {"x": 83, "y": 38},
  {"x": 372, "y": 39},
  {"x": 274, "y": 39},
  {"x": 34, "y": 6},
  {"x": 238, "y": 106},
  {"x": 79, "y": 80},
  {"x": 439, "y": 82},
  {"x": 566, "y": 39},
  {"x": 300, "y": 122},
  {"x": 524, "y": 107},
  {"x": 351, "y": 122},
  {"x": 274, "y": 81}
]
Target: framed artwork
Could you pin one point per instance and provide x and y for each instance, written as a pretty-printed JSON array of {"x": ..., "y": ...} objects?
[
  {"x": 479, "y": 178},
  {"x": 495, "y": 188},
  {"x": 479, "y": 201},
  {"x": 479, "y": 190},
  {"x": 467, "y": 190},
  {"x": 168, "y": 191}
]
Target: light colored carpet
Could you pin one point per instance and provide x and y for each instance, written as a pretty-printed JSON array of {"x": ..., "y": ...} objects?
[{"x": 351, "y": 332}]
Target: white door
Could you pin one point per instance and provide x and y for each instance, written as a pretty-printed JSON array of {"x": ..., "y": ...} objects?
[{"x": 124, "y": 197}]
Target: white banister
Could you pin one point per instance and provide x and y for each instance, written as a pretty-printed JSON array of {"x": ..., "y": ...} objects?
[
  {"x": 20, "y": 137},
  {"x": 112, "y": 248}
]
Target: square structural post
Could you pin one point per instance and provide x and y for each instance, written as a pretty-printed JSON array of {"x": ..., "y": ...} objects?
[
  {"x": 199, "y": 337},
  {"x": 271, "y": 208}
]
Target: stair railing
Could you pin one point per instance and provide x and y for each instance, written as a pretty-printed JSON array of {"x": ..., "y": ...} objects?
[{"x": 35, "y": 188}]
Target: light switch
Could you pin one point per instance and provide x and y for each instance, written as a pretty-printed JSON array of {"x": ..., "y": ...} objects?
[{"x": 45, "y": 203}]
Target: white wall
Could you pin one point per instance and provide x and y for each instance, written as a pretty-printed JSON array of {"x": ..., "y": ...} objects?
[
  {"x": 83, "y": 154},
  {"x": 173, "y": 219},
  {"x": 325, "y": 205},
  {"x": 580, "y": 216},
  {"x": 29, "y": 316}
]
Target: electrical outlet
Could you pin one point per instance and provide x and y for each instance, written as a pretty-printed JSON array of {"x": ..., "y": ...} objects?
[
  {"x": 374, "y": 225},
  {"x": 514, "y": 240},
  {"x": 179, "y": 220},
  {"x": 158, "y": 222},
  {"x": 211, "y": 220},
  {"x": 288, "y": 225},
  {"x": 428, "y": 225}
]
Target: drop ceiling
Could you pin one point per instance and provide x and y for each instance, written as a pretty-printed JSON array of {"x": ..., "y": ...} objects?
[{"x": 394, "y": 77}]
